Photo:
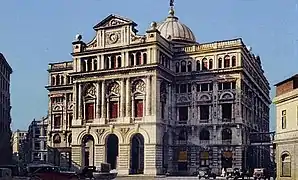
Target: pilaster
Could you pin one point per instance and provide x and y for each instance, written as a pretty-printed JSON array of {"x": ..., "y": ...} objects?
[
  {"x": 122, "y": 100},
  {"x": 128, "y": 100},
  {"x": 123, "y": 161},
  {"x": 103, "y": 103}
]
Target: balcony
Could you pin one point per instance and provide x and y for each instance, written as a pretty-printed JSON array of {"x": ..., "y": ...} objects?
[
  {"x": 204, "y": 142},
  {"x": 182, "y": 122},
  {"x": 226, "y": 141},
  {"x": 204, "y": 120}
]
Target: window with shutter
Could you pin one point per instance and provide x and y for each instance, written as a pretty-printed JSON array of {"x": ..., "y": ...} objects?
[
  {"x": 89, "y": 111},
  {"x": 139, "y": 108},
  {"x": 113, "y": 110}
]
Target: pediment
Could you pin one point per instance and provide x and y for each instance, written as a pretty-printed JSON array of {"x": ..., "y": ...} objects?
[{"x": 112, "y": 21}]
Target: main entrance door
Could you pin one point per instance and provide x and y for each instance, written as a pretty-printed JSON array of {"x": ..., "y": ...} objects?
[
  {"x": 88, "y": 150},
  {"x": 137, "y": 154},
  {"x": 112, "y": 150}
]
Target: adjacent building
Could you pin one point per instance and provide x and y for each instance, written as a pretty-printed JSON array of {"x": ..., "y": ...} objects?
[
  {"x": 5, "y": 107},
  {"x": 158, "y": 102},
  {"x": 37, "y": 141},
  {"x": 18, "y": 145},
  {"x": 286, "y": 101}
]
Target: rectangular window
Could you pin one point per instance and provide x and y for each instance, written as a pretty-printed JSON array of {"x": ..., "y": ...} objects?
[
  {"x": 113, "y": 110},
  {"x": 227, "y": 85},
  {"x": 89, "y": 113},
  {"x": 162, "y": 110},
  {"x": 183, "y": 88},
  {"x": 183, "y": 113},
  {"x": 283, "y": 119},
  {"x": 37, "y": 146},
  {"x": 70, "y": 117},
  {"x": 204, "y": 112},
  {"x": 204, "y": 87},
  {"x": 57, "y": 121},
  {"x": 139, "y": 108},
  {"x": 226, "y": 112},
  {"x": 204, "y": 159}
]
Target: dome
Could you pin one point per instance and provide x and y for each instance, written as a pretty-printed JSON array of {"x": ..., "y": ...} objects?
[{"x": 172, "y": 29}]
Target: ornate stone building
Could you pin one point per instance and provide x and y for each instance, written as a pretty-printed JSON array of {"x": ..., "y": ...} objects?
[
  {"x": 158, "y": 102},
  {"x": 5, "y": 107}
]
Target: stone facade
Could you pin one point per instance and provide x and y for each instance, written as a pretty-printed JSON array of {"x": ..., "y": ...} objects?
[
  {"x": 158, "y": 102},
  {"x": 286, "y": 101},
  {"x": 18, "y": 143},
  {"x": 37, "y": 141},
  {"x": 5, "y": 107}
]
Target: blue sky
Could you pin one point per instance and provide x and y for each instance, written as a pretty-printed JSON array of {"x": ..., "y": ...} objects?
[{"x": 34, "y": 33}]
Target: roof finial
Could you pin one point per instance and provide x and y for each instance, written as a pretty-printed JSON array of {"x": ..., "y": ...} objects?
[{"x": 172, "y": 12}]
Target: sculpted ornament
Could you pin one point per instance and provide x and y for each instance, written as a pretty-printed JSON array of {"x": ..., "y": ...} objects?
[
  {"x": 100, "y": 131},
  {"x": 90, "y": 90},
  {"x": 113, "y": 37},
  {"x": 124, "y": 131},
  {"x": 114, "y": 88},
  {"x": 139, "y": 86}
]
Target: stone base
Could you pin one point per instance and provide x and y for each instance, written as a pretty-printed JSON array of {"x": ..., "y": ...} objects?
[{"x": 123, "y": 172}]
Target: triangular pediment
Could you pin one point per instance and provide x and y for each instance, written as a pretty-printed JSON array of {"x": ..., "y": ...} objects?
[{"x": 112, "y": 21}]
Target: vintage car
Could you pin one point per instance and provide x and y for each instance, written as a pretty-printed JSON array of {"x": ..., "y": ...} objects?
[
  {"x": 48, "y": 172},
  {"x": 260, "y": 173}
]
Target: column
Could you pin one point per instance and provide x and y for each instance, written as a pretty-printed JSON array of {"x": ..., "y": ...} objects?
[
  {"x": 133, "y": 113},
  {"x": 80, "y": 102},
  {"x": 122, "y": 100},
  {"x": 92, "y": 64},
  {"x": 148, "y": 96},
  {"x": 108, "y": 109},
  {"x": 74, "y": 95},
  {"x": 102, "y": 62},
  {"x": 98, "y": 62},
  {"x": 128, "y": 98},
  {"x": 97, "y": 115},
  {"x": 126, "y": 59},
  {"x": 103, "y": 100},
  {"x": 123, "y": 59},
  {"x": 86, "y": 64},
  {"x": 169, "y": 102}
]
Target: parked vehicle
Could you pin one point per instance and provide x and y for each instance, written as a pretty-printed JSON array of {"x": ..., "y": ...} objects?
[{"x": 261, "y": 173}]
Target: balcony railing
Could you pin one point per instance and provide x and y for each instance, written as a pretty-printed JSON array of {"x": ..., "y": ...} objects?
[
  {"x": 204, "y": 141},
  {"x": 182, "y": 122},
  {"x": 227, "y": 141},
  {"x": 204, "y": 120}
]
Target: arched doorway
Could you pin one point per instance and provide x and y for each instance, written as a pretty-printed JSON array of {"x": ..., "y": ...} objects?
[
  {"x": 137, "y": 154},
  {"x": 227, "y": 159},
  {"x": 112, "y": 150},
  {"x": 88, "y": 150}
]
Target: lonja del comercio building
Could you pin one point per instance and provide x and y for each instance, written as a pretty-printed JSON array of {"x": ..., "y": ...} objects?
[{"x": 158, "y": 102}]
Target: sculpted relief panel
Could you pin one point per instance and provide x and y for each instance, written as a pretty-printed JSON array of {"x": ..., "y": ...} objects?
[{"x": 113, "y": 37}]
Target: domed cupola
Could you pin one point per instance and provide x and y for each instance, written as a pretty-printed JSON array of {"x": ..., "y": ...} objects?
[{"x": 174, "y": 30}]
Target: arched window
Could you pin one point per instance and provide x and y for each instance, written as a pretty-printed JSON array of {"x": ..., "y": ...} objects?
[
  {"x": 227, "y": 61},
  {"x": 204, "y": 135},
  {"x": 226, "y": 136},
  {"x": 53, "y": 82},
  {"x": 56, "y": 139},
  {"x": 286, "y": 165},
  {"x": 119, "y": 61},
  {"x": 210, "y": 64},
  {"x": 62, "y": 79},
  {"x": 219, "y": 63},
  {"x": 205, "y": 64},
  {"x": 183, "y": 66},
  {"x": 89, "y": 65},
  {"x": 177, "y": 67},
  {"x": 234, "y": 61},
  {"x": 113, "y": 62},
  {"x": 94, "y": 64},
  {"x": 138, "y": 58},
  {"x": 57, "y": 80},
  {"x": 198, "y": 65},
  {"x": 189, "y": 68},
  {"x": 144, "y": 58},
  {"x": 83, "y": 65},
  {"x": 132, "y": 59}
]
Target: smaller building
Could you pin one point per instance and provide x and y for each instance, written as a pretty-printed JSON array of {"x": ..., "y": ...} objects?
[
  {"x": 18, "y": 145},
  {"x": 37, "y": 141},
  {"x": 5, "y": 107},
  {"x": 286, "y": 101}
]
